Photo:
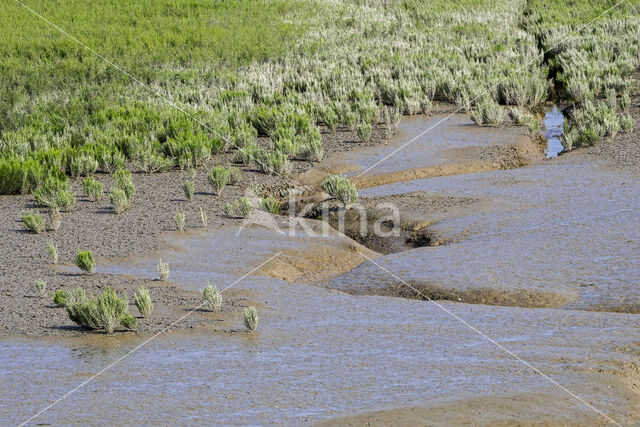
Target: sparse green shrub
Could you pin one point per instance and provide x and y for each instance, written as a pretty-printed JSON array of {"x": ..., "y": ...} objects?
[
  {"x": 52, "y": 250},
  {"x": 93, "y": 189},
  {"x": 82, "y": 165},
  {"x": 625, "y": 103},
  {"x": 124, "y": 182},
  {"x": 84, "y": 261},
  {"x": 626, "y": 122},
  {"x": 340, "y": 188},
  {"x": 142, "y": 300},
  {"x": 61, "y": 297},
  {"x": 488, "y": 113},
  {"x": 364, "y": 131},
  {"x": 569, "y": 139},
  {"x": 271, "y": 162},
  {"x": 55, "y": 192},
  {"x": 179, "y": 219},
  {"x": 129, "y": 322},
  {"x": 250, "y": 318},
  {"x": 151, "y": 161},
  {"x": 189, "y": 188},
  {"x": 119, "y": 200},
  {"x": 270, "y": 204},
  {"x": 163, "y": 270},
  {"x": 228, "y": 209},
  {"x": 33, "y": 222},
  {"x": 612, "y": 98},
  {"x": 41, "y": 287},
  {"x": 104, "y": 312},
  {"x": 330, "y": 118},
  {"x": 312, "y": 151},
  {"x": 235, "y": 175},
  {"x": 243, "y": 135},
  {"x": 212, "y": 297},
  {"x": 204, "y": 218},
  {"x": 243, "y": 205},
  {"x": 55, "y": 219},
  {"x": 123, "y": 191},
  {"x": 218, "y": 178},
  {"x": 587, "y": 137},
  {"x": 522, "y": 118}
]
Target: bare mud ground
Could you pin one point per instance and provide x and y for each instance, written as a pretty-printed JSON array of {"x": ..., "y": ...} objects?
[{"x": 94, "y": 226}]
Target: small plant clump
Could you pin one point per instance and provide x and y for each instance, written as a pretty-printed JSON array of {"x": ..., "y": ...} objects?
[
  {"x": 218, "y": 178},
  {"x": 123, "y": 191},
  {"x": 33, "y": 222},
  {"x": 93, "y": 189},
  {"x": 520, "y": 117},
  {"x": 119, "y": 200},
  {"x": 204, "y": 218},
  {"x": 55, "y": 192},
  {"x": 270, "y": 204},
  {"x": 488, "y": 113},
  {"x": 189, "y": 188},
  {"x": 180, "y": 218},
  {"x": 60, "y": 297},
  {"x": 244, "y": 207},
  {"x": 235, "y": 175},
  {"x": 228, "y": 209},
  {"x": 163, "y": 270},
  {"x": 84, "y": 261},
  {"x": 104, "y": 312},
  {"x": 55, "y": 219},
  {"x": 340, "y": 188},
  {"x": 212, "y": 297},
  {"x": 250, "y": 317},
  {"x": 52, "y": 251},
  {"x": 41, "y": 287},
  {"x": 142, "y": 300},
  {"x": 364, "y": 131}
]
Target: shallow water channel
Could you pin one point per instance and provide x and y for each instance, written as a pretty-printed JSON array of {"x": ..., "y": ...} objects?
[{"x": 321, "y": 353}]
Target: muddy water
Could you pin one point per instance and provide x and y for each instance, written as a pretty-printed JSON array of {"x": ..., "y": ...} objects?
[
  {"x": 553, "y": 130},
  {"x": 321, "y": 353}
]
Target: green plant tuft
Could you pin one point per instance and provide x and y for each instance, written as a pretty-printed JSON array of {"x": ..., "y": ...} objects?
[
  {"x": 212, "y": 297},
  {"x": 340, "y": 188},
  {"x": 34, "y": 222},
  {"x": 52, "y": 251},
  {"x": 142, "y": 300},
  {"x": 41, "y": 287},
  {"x": 250, "y": 318},
  {"x": 61, "y": 297},
  {"x": 84, "y": 261}
]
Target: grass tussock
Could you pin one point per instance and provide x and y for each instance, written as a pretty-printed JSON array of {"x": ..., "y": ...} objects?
[
  {"x": 85, "y": 261},
  {"x": 103, "y": 312},
  {"x": 340, "y": 188},
  {"x": 212, "y": 297},
  {"x": 142, "y": 300},
  {"x": 34, "y": 222},
  {"x": 52, "y": 251},
  {"x": 163, "y": 270},
  {"x": 250, "y": 318}
]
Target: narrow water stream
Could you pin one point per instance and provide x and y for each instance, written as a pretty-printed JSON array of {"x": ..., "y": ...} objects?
[
  {"x": 319, "y": 353},
  {"x": 553, "y": 130}
]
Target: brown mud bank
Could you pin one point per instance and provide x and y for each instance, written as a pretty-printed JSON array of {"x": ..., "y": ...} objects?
[
  {"x": 321, "y": 354},
  {"x": 94, "y": 226},
  {"x": 555, "y": 233}
]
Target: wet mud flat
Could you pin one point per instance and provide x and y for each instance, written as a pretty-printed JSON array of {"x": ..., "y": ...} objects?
[{"x": 340, "y": 340}]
